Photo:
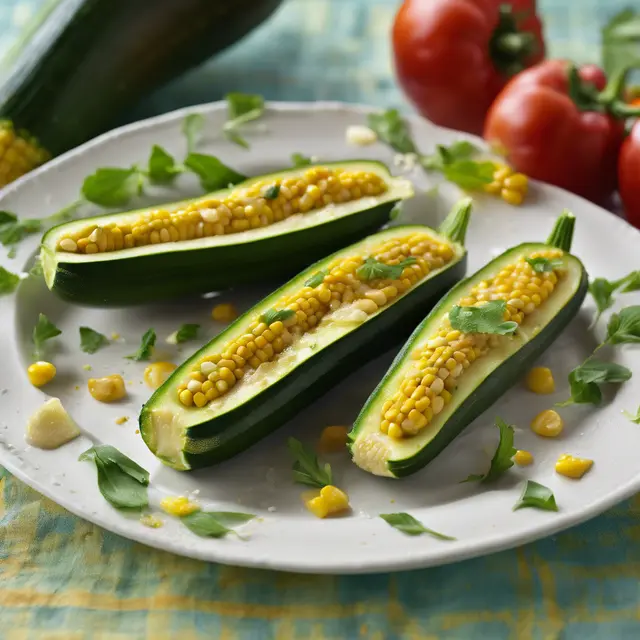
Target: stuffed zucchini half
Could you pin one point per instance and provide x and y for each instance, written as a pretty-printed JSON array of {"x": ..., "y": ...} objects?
[
  {"x": 296, "y": 343},
  {"x": 261, "y": 228},
  {"x": 444, "y": 377}
]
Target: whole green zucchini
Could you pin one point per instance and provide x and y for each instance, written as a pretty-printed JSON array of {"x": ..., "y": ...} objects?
[
  {"x": 444, "y": 378},
  {"x": 83, "y": 62},
  {"x": 301, "y": 340}
]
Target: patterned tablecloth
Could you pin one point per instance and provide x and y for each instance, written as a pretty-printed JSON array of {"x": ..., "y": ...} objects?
[{"x": 65, "y": 579}]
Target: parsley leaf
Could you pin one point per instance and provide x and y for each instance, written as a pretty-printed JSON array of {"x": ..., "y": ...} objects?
[
  {"x": 602, "y": 290},
  {"x": 374, "y": 269},
  {"x": 111, "y": 186},
  {"x": 391, "y": 128},
  {"x": 276, "y": 315},
  {"x": 630, "y": 282},
  {"x": 487, "y": 318},
  {"x": 409, "y": 525},
  {"x": 146, "y": 347},
  {"x": 122, "y": 482},
  {"x": 272, "y": 192},
  {"x": 242, "y": 108},
  {"x": 43, "y": 331},
  {"x": 443, "y": 155},
  {"x": 633, "y": 418},
  {"x": 586, "y": 379},
  {"x": 162, "y": 167},
  {"x": 213, "y": 174},
  {"x": 192, "y": 127},
  {"x": 544, "y": 265},
  {"x": 91, "y": 341},
  {"x": 13, "y": 231},
  {"x": 502, "y": 458},
  {"x": 213, "y": 524},
  {"x": 8, "y": 281},
  {"x": 299, "y": 160},
  {"x": 306, "y": 469},
  {"x": 624, "y": 327},
  {"x": 187, "y": 332},
  {"x": 469, "y": 174},
  {"x": 537, "y": 496},
  {"x": 316, "y": 279}
]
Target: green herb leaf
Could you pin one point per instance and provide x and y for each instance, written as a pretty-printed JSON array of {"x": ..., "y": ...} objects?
[
  {"x": 373, "y": 269},
  {"x": 537, "y": 496},
  {"x": 213, "y": 174},
  {"x": 12, "y": 253},
  {"x": 276, "y": 315},
  {"x": 122, "y": 482},
  {"x": 502, "y": 459},
  {"x": 633, "y": 418},
  {"x": 396, "y": 211},
  {"x": 624, "y": 327},
  {"x": 212, "y": 524},
  {"x": 162, "y": 166},
  {"x": 544, "y": 265},
  {"x": 487, "y": 318},
  {"x": 409, "y": 525},
  {"x": 111, "y": 186},
  {"x": 316, "y": 279},
  {"x": 7, "y": 217},
  {"x": 299, "y": 160},
  {"x": 43, "y": 331},
  {"x": 187, "y": 332},
  {"x": 621, "y": 41},
  {"x": 630, "y": 282},
  {"x": 602, "y": 290},
  {"x": 146, "y": 347},
  {"x": 443, "y": 155},
  {"x": 8, "y": 281},
  {"x": 391, "y": 128},
  {"x": 91, "y": 341},
  {"x": 37, "y": 270},
  {"x": 242, "y": 108},
  {"x": 306, "y": 469},
  {"x": 586, "y": 379},
  {"x": 469, "y": 174},
  {"x": 13, "y": 231},
  {"x": 272, "y": 192},
  {"x": 192, "y": 127}
]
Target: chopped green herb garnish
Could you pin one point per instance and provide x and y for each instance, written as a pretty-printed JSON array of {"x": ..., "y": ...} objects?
[
  {"x": 306, "y": 469},
  {"x": 373, "y": 269},
  {"x": 396, "y": 210},
  {"x": 488, "y": 318},
  {"x": 633, "y": 418},
  {"x": 409, "y": 525},
  {"x": 276, "y": 315},
  {"x": 469, "y": 174},
  {"x": 299, "y": 160},
  {"x": 12, "y": 253},
  {"x": 537, "y": 496},
  {"x": 602, "y": 290},
  {"x": 187, "y": 332},
  {"x": 112, "y": 186},
  {"x": 445, "y": 155},
  {"x": 391, "y": 128},
  {"x": 146, "y": 347},
  {"x": 502, "y": 459},
  {"x": 192, "y": 127},
  {"x": 213, "y": 174},
  {"x": 213, "y": 524},
  {"x": 242, "y": 108},
  {"x": 91, "y": 341},
  {"x": 544, "y": 265},
  {"x": 316, "y": 279},
  {"x": 624, "y": 327},
  {"x": 586, "y": 379},
  {"x": 8, "y": 281},
  {"x": 272, "y": 192},
  {"x": 43, "y": 331},
  {"x": 162, "y": 168}
]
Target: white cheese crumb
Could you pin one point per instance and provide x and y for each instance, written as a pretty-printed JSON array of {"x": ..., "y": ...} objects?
[
  {"x": 271, "y": 509},
  {"x": 405, "y": 161},
  {"x": 360, "y": 135}
]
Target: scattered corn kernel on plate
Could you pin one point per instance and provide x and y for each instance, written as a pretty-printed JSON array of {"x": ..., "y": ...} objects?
[{"x": 315, "y": 343}]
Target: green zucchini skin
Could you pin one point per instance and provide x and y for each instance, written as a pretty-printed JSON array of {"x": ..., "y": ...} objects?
[{"x": 89, "y": 60}]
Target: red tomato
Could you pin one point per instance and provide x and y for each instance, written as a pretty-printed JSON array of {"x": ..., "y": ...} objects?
[{"x": 629, "y": 175}]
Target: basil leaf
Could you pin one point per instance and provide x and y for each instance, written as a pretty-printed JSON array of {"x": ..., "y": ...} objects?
[
  {"x": 276, "y": 315},
  {"x": 213, "y": 174},
  {"x": 242, "y": 108},
  {"x": 162, "y": 167},
  {"x": 544, "y": 265},
  {"x": 633, "y": 418},
  {"x": 91, "y": 341},
  {"x": 43, "y": 331},
  {"x": 146, "y": 347},
  {"x": 8, "y": 281},
  {"x": 502, "y": 458},
  {"x": 272, "y": 192},
  {"x": 443, "y": 155},
  {"x": 537, "y": 496},
  {"x": 212, "y": 524},
  {"x": 469, "y": 174},
  {"x": 487, "y": 318},
  {"x": 585, "y": 379},
  {"x": 409, "y": 525},
  {"x": 192, "y": 127},
  {"x": 187, "y": 332},
  {"x": 602, "y": 292},
  {"x": 373, "y": 269},
  {"x": 111, "y": 186},
  {"x": 111, "y": 455},
  {"x": 306, "y": 469},
  {"x": 299, "y": 160},
  {"x": 391, "y": 128},
  {"x": 7, "y": 217},
  {"x": 624, "y": 327},
  {"x": 316, "y": 279}
]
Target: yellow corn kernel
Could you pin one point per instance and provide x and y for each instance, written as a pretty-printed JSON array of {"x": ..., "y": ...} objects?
[
  {"x": 107, "y": 389},
  {"x": 333, "y": 439},
  {"x": 122, "y": 419},
  {"x": 336, "y": 499},
  {"x": 156, "y": 374},
  {"x": 547, "y": 423},
  {"x": 517, "y": 181},
  {"x": 178, "y": 506},
  {"x": 572, "y": 467},
  {"x": 318, "y": 506},
  {"x": 40, "y": 373},
  {"x": 523, "y": 458},
  {"x": 224, "y": 312},
  {"x": 540, "y": 380},
  {"x": 516, "y": 198}
]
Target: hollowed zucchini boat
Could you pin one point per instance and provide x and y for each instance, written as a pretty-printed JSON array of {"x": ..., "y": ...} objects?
[
  {"x": 299, "y": 341},
  {"x": 443, "y": 378},
  {"x": 261, "y": 228}
]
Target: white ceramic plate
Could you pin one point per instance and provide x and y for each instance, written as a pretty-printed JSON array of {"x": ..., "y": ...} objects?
[{"x": 286, "y": 536}]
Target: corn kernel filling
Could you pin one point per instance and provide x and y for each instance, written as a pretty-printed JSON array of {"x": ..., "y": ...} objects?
[
  {"x": 340, "y": 287},
  {"x": 259, "y": 205},
  {"x": 18, "y": 154},
  {"x": 448, "y": 353}
]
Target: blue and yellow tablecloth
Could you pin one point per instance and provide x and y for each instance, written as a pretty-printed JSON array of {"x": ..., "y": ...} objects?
[{"x": 62, "y": 578}]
